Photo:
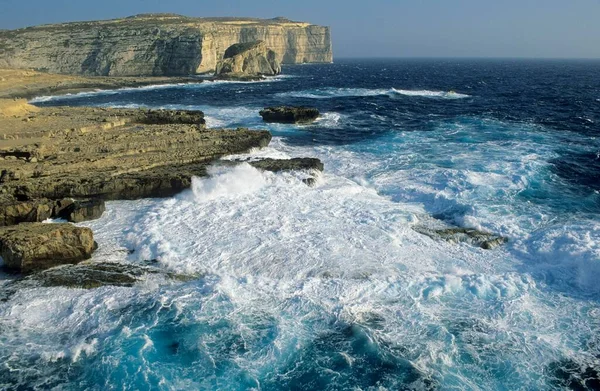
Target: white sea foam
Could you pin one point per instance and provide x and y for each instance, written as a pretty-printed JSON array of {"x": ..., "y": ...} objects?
[
  {"x": 97, "y": 92},
  {"x": 331, "y": 92},
  {"x": 202, "y": 84},
  {"x": 330, "y": 120},
  {"x": 431, "y": 94},
  {"x": 240, "y": 181}
]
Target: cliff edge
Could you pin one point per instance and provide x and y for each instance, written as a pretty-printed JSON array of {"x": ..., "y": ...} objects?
[{"x": 156, "y": 44}]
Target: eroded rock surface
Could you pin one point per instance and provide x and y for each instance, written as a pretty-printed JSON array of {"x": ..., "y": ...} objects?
[
  {"x": 165, "y": 117},
  {"x": 248, "y": 59},
  {"x": 36, "y": 246},
  {"x": 485, "y": 240},
  {"x": 287, "y": 114},
  {"x": 14, "y": 212},
  {"x": 84, "y": 210}
]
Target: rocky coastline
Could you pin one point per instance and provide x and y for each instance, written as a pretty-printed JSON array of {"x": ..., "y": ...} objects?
[{"x": 65, "y": 162}]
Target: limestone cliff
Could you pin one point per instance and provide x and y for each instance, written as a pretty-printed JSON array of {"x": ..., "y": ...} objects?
[
  {"x": 248, "y": 59},
  {"x": 156, "y": 44}
]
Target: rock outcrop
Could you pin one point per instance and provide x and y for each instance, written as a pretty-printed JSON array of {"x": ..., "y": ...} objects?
[
  {"x": 80, "y": 211},
  {"x": 248, "y": 59},
  {"x": 156, "y": 44},
  {"x": 276, "y": 165},
  {"x": 36, "y": 246},
  {"x": 13, "y": 211},
  {"x": 289, "y": 115},
  {"x": 485, "y": 240}
]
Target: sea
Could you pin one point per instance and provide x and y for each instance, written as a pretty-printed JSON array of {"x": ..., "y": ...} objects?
[{"x": 332, "y": 287}]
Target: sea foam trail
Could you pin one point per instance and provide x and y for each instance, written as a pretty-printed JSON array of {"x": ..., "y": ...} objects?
[
  {"x": 431, "y": 94},
  {"x": 331, "y": 92},
  {"x": 191, "y": 85}
]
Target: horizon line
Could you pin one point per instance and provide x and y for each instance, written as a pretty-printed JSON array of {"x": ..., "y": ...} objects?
[{"x": 460, "y": 58}]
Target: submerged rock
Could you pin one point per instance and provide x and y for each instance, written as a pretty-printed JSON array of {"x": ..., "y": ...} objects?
[
  {"x": 358, "y": 360},
  {"x": 289, "y": 115},
  {"x": 568, "y": 374},
  {"x": 248, "y": 59},
  {"x": 472, "y": 236},
  {"x": 311, "y": 181},
  {"x": 275, "y": 165},
  {"x": 36, "y": 246},
  {"x": 88, "y": 275}
]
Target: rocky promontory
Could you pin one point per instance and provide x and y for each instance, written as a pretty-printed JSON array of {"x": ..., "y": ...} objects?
[{"x": 156, "y": 44}]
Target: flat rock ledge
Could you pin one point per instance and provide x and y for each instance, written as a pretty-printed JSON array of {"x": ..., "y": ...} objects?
[
  {"x": 289, "y": 114},
  {"x": 485, "y": 240},
  {"x": 29, "y": 247}
]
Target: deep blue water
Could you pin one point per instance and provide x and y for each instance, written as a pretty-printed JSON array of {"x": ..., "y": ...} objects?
[{"x": 330, "y": 287}]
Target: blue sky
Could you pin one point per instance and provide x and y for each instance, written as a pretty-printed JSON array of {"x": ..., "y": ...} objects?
[{"x": 389, "y": 28}]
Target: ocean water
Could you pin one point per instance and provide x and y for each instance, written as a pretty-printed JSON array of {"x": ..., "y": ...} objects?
[{"x": 330, "y": 287}]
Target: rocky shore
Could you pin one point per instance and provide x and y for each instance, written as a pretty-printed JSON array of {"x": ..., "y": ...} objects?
[{"x": 64, "y": 162}]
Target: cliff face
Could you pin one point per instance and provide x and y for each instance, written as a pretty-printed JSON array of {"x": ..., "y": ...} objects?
[{"x": 156, "y": 45}]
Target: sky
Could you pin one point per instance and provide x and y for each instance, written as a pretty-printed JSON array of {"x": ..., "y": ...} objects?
[{"x": 376, "y": 28}]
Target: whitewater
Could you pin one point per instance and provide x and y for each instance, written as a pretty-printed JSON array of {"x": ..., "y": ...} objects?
[{"x": 331, "y": 287}]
